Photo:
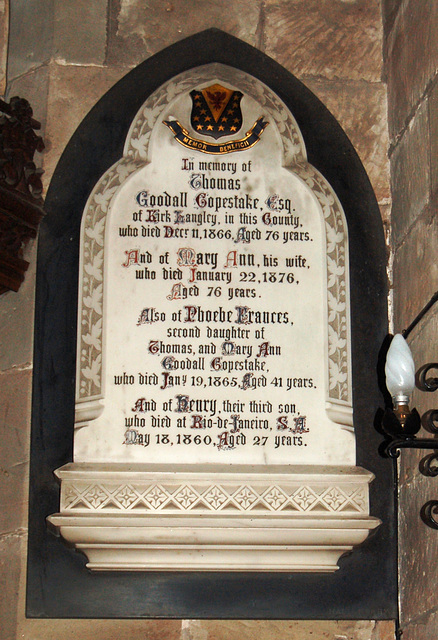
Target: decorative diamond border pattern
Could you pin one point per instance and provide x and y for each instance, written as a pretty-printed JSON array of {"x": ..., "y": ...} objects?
[{"x": 82, "y": 496}]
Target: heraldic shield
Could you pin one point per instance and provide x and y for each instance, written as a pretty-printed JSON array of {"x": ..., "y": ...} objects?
[{"x": 216, "y": 111}]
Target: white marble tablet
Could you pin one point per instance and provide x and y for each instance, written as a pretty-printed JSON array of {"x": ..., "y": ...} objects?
[{"x": 214, "y": 339}]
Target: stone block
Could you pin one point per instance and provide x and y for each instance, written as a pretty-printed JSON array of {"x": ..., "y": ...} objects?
[
  {"x": 423, "y": 343},
  {"x": 360, "y": 109},
  {"x": 384, "y": 630},
  {"x": 418, "y": 545},
  {"x": 424, "y": 629},
  {"x": 16, "y": 319},
  {"x": 415, "y": 270},
  {"x": 30, "y": 36},
  {"x": 411, "y": 59},
  {"x": 4, "y": 32},
  {"x": 15, "y": 394},
  {"x": 331, "y": 39},
  {"x": 32, "y": 629},
  {"x": 140, "y": 28},
  {"x": 12, "y": 547},
  {"x": 73, "y": 91},
  {"x": 389, "y": 13},
  {"x": 274, "y": 629},
  {"x": 80, "y": 31},
  {"x": 410, "y": 175},
  {"x": 433, "y": 124}
]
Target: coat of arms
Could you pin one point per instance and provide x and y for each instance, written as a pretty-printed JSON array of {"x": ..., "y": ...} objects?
[{"x": 216, "y": 111}]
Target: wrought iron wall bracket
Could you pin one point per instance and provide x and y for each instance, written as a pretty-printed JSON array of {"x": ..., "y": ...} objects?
[
  {"x": 423, "y": 382},
  {"x": 402, "y": 424},
  {"x": 427, "y": 513},
  {"x": 428, "y": 467},
  {"x": 393, "y": 448}
]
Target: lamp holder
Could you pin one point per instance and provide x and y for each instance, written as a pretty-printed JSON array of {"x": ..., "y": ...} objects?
[{"x": 402, "y": 424}]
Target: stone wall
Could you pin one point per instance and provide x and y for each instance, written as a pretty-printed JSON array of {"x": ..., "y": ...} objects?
[
  {"x": 4, "y": 27},
  {"x": 411, "y": 55},
  {"x": 63, "y": 56}
]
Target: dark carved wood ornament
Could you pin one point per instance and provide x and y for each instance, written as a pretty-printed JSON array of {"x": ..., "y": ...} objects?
[{"x": 21, "y": 202}]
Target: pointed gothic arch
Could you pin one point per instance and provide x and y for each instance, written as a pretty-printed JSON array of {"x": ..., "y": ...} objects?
[{"x": 95, "y": 147}]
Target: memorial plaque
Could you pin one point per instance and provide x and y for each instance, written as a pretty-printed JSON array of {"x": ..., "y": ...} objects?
[{"x": 214, "y": 420}]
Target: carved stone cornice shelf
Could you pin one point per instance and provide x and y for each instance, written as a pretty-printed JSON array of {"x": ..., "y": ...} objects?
[
  {"x": 21, "y": 204},
  {"x": 166, "y": 518}
]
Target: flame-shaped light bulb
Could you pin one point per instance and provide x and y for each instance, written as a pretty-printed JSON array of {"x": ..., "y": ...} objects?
[{"x": 400, "y": 371}]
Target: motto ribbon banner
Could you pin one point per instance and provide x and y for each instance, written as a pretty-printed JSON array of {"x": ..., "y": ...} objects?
[{"x": 251, "y": 138}]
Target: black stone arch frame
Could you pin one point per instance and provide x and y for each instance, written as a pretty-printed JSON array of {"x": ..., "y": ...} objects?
[{"x": 58, "y": 584}]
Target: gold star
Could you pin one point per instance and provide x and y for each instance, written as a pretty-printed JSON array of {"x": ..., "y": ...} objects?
[
  {"x": 221, "y": 128},
  {"x": 210, "y": 127},
  {"x": 203, "y": 112},
  {"x": 199, "y": 127},
  {"x": 233, "y": 129},
  {"x": 197, "y": 96},
  {"x": 207, "y": 119},
  {"x": 224, "y": 119},
  {"x": 195, "y": 118},
  {"x": 230, "y": 112},
  {"x": 198, "y": 104},
  {"x": 236, "y": 120}
]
